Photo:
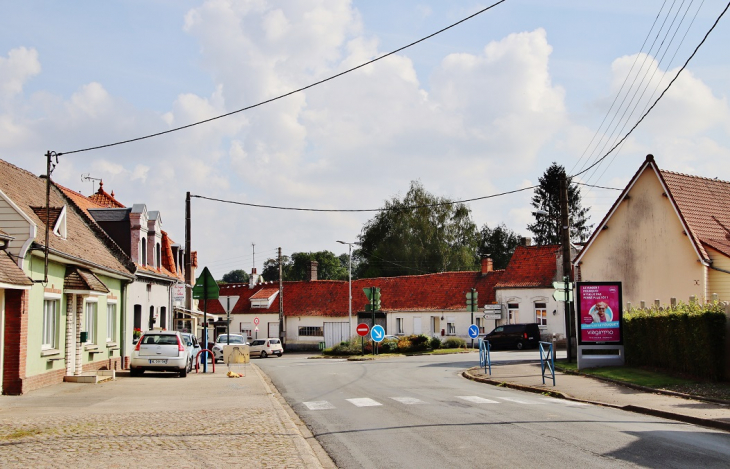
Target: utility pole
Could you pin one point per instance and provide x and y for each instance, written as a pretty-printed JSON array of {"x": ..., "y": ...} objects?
[
  {"x": 188, "y": 266},
  {"x": 567, "y": 271},
  {"x": 282, "y": 330}
]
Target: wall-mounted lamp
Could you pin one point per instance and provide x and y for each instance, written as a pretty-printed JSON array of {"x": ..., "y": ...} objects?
[{"x": 555, "y": 311}]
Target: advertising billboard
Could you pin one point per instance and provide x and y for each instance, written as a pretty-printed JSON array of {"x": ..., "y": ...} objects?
[{"x": 600, "y": 315}]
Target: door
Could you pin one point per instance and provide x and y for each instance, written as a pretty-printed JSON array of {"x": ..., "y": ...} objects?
[
  {"x": 335, "y": 332},
  {"x": 417, "y": 326},
  {"x": 273, "y": 329}
]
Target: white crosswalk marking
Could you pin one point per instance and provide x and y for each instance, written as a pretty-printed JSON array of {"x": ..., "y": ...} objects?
[
  {"x": 477, "y": 400},
  {"x": 408, "y": 400},
  {"x": 318, "y": 405},
  {"x": 520, "y": 401},
  {"x": 364, "y": 402},
  {"x": 552, "y": 400}
]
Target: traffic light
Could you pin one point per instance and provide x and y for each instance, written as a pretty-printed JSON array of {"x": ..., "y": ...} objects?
[
  {"x": 373, "y": 295},
  {"x": 376, "y": 299}
]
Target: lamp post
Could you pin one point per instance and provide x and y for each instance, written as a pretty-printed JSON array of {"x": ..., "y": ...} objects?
[{"x": 349, "y": 276}]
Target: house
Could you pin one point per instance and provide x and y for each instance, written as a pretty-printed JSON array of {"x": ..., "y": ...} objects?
[
  {"x": 666, "y": 236},
  {"x": 317, "y": 311},
  {"x": 157, "y": 259},
  {"x": 69, "y": 320}
]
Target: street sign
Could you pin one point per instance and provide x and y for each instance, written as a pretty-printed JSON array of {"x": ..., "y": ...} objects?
[
  {"x": 256, "y": 322},
  {"x": 377, "y": 333},
  {"x": 561, "y": 285},
  {"x": 205, "y": 287},
  {"x": 228, "y": 302},
  {"x": 362, "y": 329},
  {"x": 492, "y": 315},
  {"x": 492, "y": 308},
  {"x": 559, "y": 295},
  {"x": 178, "y": 292},
  {"x": 256, "y": 329},
  {"x": 473, "y": 331}
]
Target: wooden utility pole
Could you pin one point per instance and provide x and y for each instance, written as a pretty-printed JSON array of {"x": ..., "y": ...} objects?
[
  {"x": 188, "y": 262},
  {"x": 282, "y": 329},
  {"x": 567, "y": 271}
]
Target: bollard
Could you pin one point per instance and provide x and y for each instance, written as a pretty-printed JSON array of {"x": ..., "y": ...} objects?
[
  {"x": 657, "y": 303},
  {"x": 673, "y": 302}
]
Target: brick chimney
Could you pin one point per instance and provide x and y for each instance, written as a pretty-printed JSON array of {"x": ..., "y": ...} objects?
[
  {"x": 527, "y": 241},
  {"x": 487, "y": 265},
  {"x": 312, "y": 271}
]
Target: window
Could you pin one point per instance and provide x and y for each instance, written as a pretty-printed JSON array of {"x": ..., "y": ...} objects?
[
  {"x": 480, "y": 324},
  {"x": 158, "y": 256},
  {"x": 513, "y": 312},
  {"x": 91, "y": 309},
  {"x": 143, "y": 258},
  {"x": 111, "y": 322},
  {"x": 541, "y": 314},
  {"x": 50, "y": 324},
  {"x": 450, "y": 326},
  {"x": 152, "y": 318},
  {"x": 310, "y": 331},
  {"x": 163, "y": 317},
  {"x": 399, "y": 325}
]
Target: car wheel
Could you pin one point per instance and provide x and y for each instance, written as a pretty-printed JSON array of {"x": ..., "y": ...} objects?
[
  {"x": 184, "y": 372},
  {"x": 190, "y": 365},
  {"x": 520, "y": 345},
  {"x": 263, "y": 354}
]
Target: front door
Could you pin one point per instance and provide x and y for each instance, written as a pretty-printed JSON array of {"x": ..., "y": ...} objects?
[{"x": 417, "y": 326}]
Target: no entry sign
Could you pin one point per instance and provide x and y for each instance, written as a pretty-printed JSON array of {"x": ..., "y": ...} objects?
[{"x": 362, "y": 329}]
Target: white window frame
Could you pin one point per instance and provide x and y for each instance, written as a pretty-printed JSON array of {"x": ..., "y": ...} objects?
[
  {"x": 479, "y": 322},
  {"x": 91, "y": 321},
  {"x": 111, "y": 321},
  {"x": 49, "y": 340},
  {"x": 513, "y": 313},
  {"x": 451, "y": 326},
  {"x": 399, "y": 326},
  {"x": 542, "y": 311}
]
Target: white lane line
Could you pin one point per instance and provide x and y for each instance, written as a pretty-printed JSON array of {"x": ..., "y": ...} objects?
[
  {"x": 477, "y": 400},
  {"x": 363, "y": 402},
  {"x": 520, "y": 401},
  {"x": 318, "y": 405},
  {"x": 408, "y": 400},
  {"x": 552, "y": 400}
]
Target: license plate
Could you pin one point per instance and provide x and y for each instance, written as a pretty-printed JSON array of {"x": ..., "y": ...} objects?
[{"x": 158, "y": 362}]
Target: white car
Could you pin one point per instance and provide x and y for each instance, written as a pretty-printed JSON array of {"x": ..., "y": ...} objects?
[
  {"x": 265, "y": 347},
  {"x": 223, "y": 340},
  {"x": 160, "y": 351}
]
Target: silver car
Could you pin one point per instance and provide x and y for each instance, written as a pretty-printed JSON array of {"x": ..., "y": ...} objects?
[
  {"x": 193, "y": 346},
  {"x": 223, "y": 340},
  {"x": 160, "y": 351}
]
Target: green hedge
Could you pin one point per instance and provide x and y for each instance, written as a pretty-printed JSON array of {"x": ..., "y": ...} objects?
[{"x": 689, "y": 338}]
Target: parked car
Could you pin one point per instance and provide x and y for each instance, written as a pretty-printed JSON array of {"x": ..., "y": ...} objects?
[
  {"x": 223, "y": 340},
  {"x": 160, "y": 351},
  {"x": 515, "y": 335},
  {"x": 193, "y": 346},
  {"x": 265, "y": 347}
]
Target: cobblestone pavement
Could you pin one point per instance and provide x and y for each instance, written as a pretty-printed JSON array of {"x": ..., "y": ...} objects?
[{"x": 154, "y": 421}]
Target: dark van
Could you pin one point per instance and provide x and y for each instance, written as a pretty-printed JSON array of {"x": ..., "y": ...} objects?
[{"x": 514, "y": 335}]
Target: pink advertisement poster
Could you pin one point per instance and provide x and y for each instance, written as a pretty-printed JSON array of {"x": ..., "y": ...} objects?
[{"x": 599, "y": 312}]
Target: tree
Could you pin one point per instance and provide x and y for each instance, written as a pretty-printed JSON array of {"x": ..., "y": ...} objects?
[
  {"x": 235, "y": 276},
  {"x": 417, "y": 235},
  {"x": 296, "y": 267},
  {"x": 271, "y": 269},
  {"x": 547, "y": 198},
  {"x": 498, "y": 243}
]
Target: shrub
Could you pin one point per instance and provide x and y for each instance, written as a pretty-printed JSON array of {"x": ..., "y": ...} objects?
[
  {"x": 454, "y": 342},
  {"x": 434, "y": 343},
  {"x": 404, "y": 344},
  {"x": 389, "y": 346},
  {"x": 689, "y": 338},
  {"x": 419, "y": 342}
]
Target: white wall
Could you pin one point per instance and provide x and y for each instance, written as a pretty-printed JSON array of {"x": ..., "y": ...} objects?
[{"x": 526, "y": 298}]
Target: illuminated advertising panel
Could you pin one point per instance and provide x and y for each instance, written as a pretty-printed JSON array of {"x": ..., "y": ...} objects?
[{"x": 600, "y": 316}]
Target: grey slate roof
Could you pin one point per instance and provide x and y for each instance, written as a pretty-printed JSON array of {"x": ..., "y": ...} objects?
[{"x": 110, "y": 214}]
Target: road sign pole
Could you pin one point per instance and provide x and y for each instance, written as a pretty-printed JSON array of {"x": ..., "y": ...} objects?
[
  {"x": 372, "y": 308},
  {"x": 228, "y": 320},
  {"x": 471, "y": 307}
]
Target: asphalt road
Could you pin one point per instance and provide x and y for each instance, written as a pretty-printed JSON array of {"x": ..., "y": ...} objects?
[{"x": 419, "y": 412}]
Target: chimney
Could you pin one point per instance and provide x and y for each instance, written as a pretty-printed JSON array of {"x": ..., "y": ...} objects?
[
  {"x": 253, "y": 279},
  {"x": 312, "y": 271},
  {"x": 527, "y": 241},
  {"x": 487, "y": 265}
]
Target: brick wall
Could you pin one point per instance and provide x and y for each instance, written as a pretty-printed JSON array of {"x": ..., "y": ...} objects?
[
  {"x": 15, "y": 342},
  {"x": 42, "y": 380}
]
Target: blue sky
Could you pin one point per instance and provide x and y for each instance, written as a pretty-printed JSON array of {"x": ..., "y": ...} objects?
[{"x": 482, "y": 108}]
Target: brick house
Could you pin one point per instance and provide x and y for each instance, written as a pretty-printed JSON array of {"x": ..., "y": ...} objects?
[{"x": 87, "y": 276}]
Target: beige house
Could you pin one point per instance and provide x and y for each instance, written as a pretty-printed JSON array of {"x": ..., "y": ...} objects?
[{"x": 666, "y": 236}]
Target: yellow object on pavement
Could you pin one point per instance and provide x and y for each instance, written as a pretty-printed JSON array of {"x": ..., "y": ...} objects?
[{"x": 231, "y": 374}]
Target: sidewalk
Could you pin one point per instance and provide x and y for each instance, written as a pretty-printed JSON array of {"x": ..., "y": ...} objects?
[
  {"x": 527, "y": 377},
  {"x": 157, "y": 420}
]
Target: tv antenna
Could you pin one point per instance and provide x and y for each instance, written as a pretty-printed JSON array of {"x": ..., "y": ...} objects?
[{"x": 87, "y": 177}]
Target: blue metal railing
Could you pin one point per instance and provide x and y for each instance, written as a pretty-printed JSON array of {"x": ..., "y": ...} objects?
[
  {"x": 484, "y": 360},
  {"x": 547, "y": 360}
]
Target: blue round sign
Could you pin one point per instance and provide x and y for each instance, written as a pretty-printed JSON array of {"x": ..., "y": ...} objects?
[
  {"x": 377, "y": 333},
  {"x": 473, "y": 331}
]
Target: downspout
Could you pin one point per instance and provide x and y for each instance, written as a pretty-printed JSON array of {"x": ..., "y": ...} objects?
[{"x": 123, "y": 332}]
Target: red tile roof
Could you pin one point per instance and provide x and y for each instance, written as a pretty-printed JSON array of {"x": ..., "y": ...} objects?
[
  {"x": 703, "y": 202},
  {"x": 531, "y": 267},
  {"x": 265, "y": 292},
  {"x": 104, "y": 199},
  {"x": 10, "y": 273},
  {"x": 168, "y": 260}
]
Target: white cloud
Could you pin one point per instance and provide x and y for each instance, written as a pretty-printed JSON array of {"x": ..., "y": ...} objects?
[{"x": 15, "y": 70}]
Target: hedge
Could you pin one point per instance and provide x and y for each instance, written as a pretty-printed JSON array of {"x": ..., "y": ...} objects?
[{"x": 689, "y": 339}]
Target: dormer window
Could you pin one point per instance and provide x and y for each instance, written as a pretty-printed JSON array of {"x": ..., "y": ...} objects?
[
  {"x": 158, "y": 255},
  {"x": 59, "y": 228},
  {"x": 143, "y": 259}
]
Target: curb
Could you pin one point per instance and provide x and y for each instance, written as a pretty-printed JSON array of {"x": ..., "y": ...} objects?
[{"x": 716, "y": 424}]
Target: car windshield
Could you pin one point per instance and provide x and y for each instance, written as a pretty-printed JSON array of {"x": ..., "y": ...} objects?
[
  {"x": 159, "y": 340},
  {"x": 258, "y": 342},
  {"x": 235, "y": 339}
]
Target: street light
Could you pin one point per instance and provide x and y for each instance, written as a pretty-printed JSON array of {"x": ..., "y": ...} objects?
[{"x": 349, "y": 276}]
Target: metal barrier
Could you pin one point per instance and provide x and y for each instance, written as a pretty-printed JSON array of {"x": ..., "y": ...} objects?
[
  {"x": 198, "y": 355},
  {"x": 547, "y": 360},
  {"x": 484, "y": 360}
]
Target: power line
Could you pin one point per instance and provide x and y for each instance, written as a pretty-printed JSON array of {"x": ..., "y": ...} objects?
[
  {"x": 157, "y": 134},
  {"x": 660, "y": 96},
  {"x": 383, "y": 209}
]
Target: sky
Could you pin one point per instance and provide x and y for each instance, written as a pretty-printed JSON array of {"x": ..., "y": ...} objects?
[{"x": 480, "y": 109}]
